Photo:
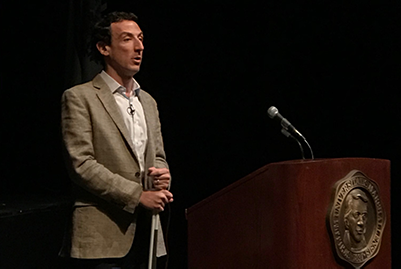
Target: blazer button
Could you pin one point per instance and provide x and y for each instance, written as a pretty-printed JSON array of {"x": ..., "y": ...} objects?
[{"x": 137, "y": 174}]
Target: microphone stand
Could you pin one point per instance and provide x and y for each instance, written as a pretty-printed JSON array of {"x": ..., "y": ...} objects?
[
  {"x": 310, "y": 149},
  {"x": 287, "y": 134}
]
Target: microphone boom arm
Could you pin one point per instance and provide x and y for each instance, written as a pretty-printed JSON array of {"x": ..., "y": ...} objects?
[{"x": 287, "y": 134}]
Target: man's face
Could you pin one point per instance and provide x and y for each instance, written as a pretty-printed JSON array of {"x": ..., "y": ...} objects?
[
  {"x": 125, "y": 52},
  {"x": 357, "y": 220}
]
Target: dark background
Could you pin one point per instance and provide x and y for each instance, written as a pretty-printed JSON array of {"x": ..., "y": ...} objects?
[{"x": 214, "y": 67}]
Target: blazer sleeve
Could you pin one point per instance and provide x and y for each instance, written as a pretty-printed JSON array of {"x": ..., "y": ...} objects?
[
  {"x": 160, "y": 155},
  {"x": 160, "y": 159},
  {"x": 85, "y": 170}
]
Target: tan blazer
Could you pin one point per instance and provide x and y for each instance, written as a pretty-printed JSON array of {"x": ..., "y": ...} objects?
[{"x": 105, "y": 170}]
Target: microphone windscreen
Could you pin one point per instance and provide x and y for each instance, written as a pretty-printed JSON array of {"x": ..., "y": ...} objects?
[{"x": 272, "y": 112}]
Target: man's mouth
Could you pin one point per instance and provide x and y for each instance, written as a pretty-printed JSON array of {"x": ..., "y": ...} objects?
[
  {"x": 137, "y": 60},
  {"x": 360, "y": 230}
]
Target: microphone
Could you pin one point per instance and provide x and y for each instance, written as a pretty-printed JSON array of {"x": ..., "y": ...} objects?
[
  {"x": 288, "y": 128},
  {"x": 131, "y": 110},
  {"x": 275, "y": 115}
]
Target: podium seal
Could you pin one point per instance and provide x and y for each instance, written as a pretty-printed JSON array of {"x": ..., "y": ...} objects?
[{"x": 356, "y": 219}]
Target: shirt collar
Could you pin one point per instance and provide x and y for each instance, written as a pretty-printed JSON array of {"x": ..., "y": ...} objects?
[{"x": 115, "y": 86}]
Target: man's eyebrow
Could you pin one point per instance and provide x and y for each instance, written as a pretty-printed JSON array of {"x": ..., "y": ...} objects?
[{"x": 130, "y": 34}]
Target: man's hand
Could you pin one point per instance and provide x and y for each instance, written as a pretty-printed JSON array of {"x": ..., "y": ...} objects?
[
  {"x": 156, "y": 200},
  {"x": 161, "y": 177}
]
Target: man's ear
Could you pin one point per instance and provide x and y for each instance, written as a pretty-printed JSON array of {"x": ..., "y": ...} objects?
[{"x": 103, "y": 48}]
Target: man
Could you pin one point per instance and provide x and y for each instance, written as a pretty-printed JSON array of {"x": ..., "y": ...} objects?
[
  {"x": 115, "y": 155},
  {"x": 355, "y": 220}
]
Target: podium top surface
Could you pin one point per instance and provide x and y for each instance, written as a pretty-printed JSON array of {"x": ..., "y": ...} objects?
[
  {"x": 326, "y": 160},
  {"x": 294, "y": 164}
]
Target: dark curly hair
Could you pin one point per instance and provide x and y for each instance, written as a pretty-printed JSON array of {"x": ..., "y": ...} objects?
[{"x": 102, "y": 32}]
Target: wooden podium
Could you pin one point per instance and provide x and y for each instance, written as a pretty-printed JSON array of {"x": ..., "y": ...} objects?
[{"x": 276, "y": 217}]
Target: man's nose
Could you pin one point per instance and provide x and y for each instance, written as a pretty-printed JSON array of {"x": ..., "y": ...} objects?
[{"x": 138, "y": 45}]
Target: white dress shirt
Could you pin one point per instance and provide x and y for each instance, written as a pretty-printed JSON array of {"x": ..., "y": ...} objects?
[{"x": 133, "y": 115}]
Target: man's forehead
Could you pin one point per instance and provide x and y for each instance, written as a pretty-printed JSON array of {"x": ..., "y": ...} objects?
[
  {"x": 359, "y": 204},
  {"x": 125, "y": 26}
]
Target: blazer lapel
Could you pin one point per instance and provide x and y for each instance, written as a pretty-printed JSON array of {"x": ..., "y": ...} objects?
[
  {"x": 109, "y": 103},
  {"x": 148, "y": 183}
]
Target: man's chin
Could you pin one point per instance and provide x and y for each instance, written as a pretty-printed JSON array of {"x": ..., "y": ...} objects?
[
  {"x": 135, "y": 70},
  {"x": 358, "y": 239}
]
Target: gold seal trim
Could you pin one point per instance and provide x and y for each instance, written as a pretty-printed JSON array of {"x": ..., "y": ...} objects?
[{"x": 356, "y": 218}]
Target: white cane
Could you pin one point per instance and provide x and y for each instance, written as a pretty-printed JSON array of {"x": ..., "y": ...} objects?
[
  {"x": 153, "y": 242},
  {"x": 152, "y": 264}
]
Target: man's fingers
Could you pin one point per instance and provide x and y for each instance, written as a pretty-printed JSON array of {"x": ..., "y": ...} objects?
[
  {"x": 158, "y": 171},
  {"x": 167, "y": 193},
  {"x": 161, "y": 177},
  {"x": 156, "y": 200}
]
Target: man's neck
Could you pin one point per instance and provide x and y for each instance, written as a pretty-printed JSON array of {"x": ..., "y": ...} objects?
[{"x": 125, "y": 81}]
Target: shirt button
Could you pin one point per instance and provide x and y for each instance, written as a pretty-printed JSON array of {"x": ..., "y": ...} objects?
[{"x": 137, "y": 174}]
